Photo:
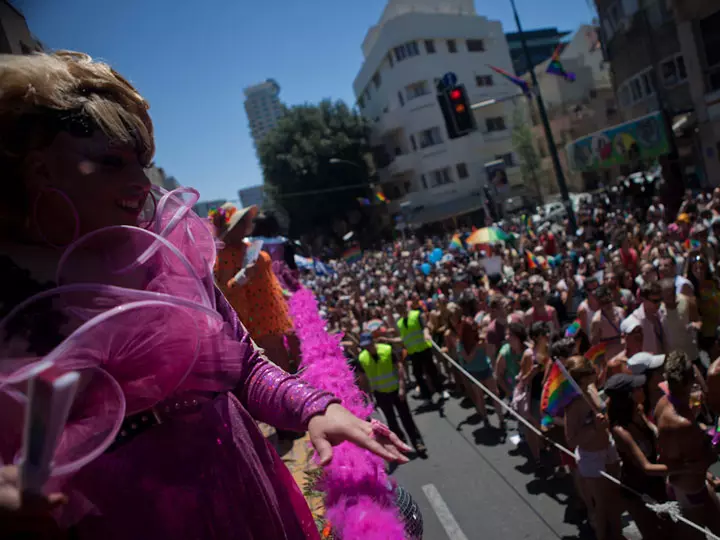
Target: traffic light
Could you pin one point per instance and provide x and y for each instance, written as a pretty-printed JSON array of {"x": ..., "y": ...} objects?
[{"x": 455, "y": 106}]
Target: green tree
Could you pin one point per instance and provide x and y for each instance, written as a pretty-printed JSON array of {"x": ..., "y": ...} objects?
[
  {"x": 313, "y": 161},
  {"x": 524, "y": 144}
]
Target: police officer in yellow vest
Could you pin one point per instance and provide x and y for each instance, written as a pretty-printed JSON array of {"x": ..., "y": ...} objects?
[
  {"x": 416, "y": 340},
  {"x": 386, "y": 377}
]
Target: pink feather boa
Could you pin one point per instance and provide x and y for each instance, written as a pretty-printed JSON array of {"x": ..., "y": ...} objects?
[{"x": 358, "y": 503}]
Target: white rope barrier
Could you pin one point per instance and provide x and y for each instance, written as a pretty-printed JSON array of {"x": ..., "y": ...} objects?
[{"x": 670, "y": 509}]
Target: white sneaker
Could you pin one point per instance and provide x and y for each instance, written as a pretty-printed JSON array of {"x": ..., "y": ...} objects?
[{"x": 446, "y": 395}]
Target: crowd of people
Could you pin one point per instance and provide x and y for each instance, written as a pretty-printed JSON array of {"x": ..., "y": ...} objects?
[{"x": 629, "y": 303}]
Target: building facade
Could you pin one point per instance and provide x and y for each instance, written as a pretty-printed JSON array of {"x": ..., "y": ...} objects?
[
  {"x": 253, "y": 195},
  {"x": 698, "y": 27},
  {"x": 427, "y": 176},
  {"x": 263, "y": 108},
  {"x": 15, "y": 36},
  {"x": 541, "y": 45},
  {"x": 650, "y": 72},
  {"x": 575, "y": 109},
  {"x": 159, "y": 178}
]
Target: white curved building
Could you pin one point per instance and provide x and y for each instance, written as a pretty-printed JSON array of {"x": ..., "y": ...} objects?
[{"x": 415, "y": 44}]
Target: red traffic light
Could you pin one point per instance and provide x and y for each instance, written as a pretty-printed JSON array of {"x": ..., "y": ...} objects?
[{"x": 455, "y": 95}]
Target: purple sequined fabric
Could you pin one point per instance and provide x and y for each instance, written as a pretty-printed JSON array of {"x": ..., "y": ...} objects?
[{"x": 207, "y": 473}]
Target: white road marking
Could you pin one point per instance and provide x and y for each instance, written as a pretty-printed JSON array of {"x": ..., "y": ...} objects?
[{"x": 447, "y": 520}]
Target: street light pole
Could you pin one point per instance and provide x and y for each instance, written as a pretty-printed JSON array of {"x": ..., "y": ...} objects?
[{"x": 546, "y": 123}]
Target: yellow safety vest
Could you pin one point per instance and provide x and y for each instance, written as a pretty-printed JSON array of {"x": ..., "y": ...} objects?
[
  {"x": 412, "y": 333},
  {"x": 382, "y": 374}
]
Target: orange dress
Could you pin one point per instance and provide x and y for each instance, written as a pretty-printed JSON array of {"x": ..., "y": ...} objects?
[{"x": 259, "y": 303}]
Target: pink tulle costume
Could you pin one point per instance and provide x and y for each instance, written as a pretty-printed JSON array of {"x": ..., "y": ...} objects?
[{"x": 161, "y": 442}]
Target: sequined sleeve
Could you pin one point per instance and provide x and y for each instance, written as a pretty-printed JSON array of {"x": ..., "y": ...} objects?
[{"x": 268, "y": 393}]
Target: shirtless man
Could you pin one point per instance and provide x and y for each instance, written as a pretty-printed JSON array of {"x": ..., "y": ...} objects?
[
  {"x": 590, "y": 305},
  {"x": 684, "y": 444}
]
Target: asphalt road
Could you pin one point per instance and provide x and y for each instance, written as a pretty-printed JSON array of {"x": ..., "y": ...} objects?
[{"x": 474, "y": 485}]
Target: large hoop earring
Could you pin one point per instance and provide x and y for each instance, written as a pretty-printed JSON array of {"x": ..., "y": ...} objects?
[{"x": 36, "y": 222}]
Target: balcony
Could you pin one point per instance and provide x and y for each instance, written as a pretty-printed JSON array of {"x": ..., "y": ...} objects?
[{"x": 388, "y": 122}]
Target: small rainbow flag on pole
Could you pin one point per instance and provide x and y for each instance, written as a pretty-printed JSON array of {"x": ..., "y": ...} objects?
[
  {"x": 532, "y": 261},
  {"x": 352, "y": 254},
  {"x": 381, "y": 197},
  {"x": 513, "y": 79},
  {"x": 557, "y": 393},
  {"x": 555, "y": 67},
  {"x": 691, "y": 244},
  {"x": 573, "y": 329},
  {"x": 456, "y": 243},
  {"x": 596, "y": 354}
]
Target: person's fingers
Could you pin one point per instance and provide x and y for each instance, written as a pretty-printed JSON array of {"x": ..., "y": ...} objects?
[
  {"x": 397, "y": 442},
  {"x": 365, "y": 440},
  {"x": 324, "y": 450},
  {"x": 57, "y": 499}
]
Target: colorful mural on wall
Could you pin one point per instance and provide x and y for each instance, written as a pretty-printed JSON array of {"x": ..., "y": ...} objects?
[{"x": 642, "y": 139}]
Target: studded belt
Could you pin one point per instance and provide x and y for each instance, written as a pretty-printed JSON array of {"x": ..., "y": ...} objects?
[{"x": 138, "y": 423}]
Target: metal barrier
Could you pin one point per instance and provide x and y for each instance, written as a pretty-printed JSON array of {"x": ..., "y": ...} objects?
[{"x": 670, "y": 509}]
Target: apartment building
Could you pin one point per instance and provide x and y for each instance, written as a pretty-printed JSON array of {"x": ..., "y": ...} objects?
[
  {"x": 263, "y": 108},
  {"x": 415, "y": 43}
]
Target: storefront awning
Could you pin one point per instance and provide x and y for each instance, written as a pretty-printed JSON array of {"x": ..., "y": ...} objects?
[{"x": 439, "y": 212}]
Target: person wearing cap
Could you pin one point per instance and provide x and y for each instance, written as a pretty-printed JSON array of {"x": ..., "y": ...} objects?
[
  {"x": 632, "y": 340},
  {"x": 649, "y": 365},
  {"x": 636, "y": 441},
  {"x": 385, "y": 374},
  {"x": 248, "y": 282},
  {"x": 684, "y": 443}
]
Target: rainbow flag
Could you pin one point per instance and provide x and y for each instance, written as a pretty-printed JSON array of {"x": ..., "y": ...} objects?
[
  {"x": 513, "y": 79},
  {"x": 557, "y": 394},
  {"x": 381, "y": 197},
  {"x": 691, "y": 244},
  {"x": 352, "y": 255},
  {"x": 555, "y": 67},
  {"x": 456, "y": 243},
  {"x": 596, "y": 354},
  {"x": 532, "y": 261},
  {"x": 573, "y": 329}
]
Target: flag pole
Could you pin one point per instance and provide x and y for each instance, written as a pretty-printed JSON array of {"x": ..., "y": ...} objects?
[{"x": 546, "y": 124}]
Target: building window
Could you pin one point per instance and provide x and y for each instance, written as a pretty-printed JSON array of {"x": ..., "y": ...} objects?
[
  {"x": 673, "y": 71},
  {"x": 376, "y": 80},
  {"x": 710, "y": 35},
  {"x": 406, "y": 50},
  {"x": 451, "y": 45},
  {"x": 416, "y": 89},
  {"x": 508, "y": 159},
  {"x": 401, "y": 99},
  {"x": 483, "y": 80},
  {"x": 636, "y": 89},
  {"x": 430, "y": 137},
  {"x": 440, "y": 177},
  {"x": 413, "y": 143},
  {"x": 390, "y": 59},
  {"x": 475, "y": 45},
  {"x": 424, "y": 181},
  {"x": 429, "y": 46},
  {"x": 462, "y": 171},
  {"x": 367, "y": 94},
  {"x": 495, "y": 124}
]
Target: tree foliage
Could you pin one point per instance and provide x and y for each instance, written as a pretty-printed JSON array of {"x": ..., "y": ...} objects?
[
  {"x": 313, "y": 152},
  {"x": 523, "y": 142}
]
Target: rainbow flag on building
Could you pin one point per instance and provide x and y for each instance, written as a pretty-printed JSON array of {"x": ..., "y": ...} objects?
[
  {"x": 352, "y": 254},
  {"x": 557, "y": 394},
  {"x": 555, "y": 67},
  {"x": 513, "y": 79},
  {"x": 381, "y": 197}
]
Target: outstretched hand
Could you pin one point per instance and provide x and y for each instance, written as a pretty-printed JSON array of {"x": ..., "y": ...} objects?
[{"x": 338, "y": 425}]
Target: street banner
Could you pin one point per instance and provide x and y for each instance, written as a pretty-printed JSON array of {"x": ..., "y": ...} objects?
[{"x": 642, "y": 139}]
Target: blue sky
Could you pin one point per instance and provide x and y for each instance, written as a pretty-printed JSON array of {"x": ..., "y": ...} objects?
[{"x": 191, "y": 60}]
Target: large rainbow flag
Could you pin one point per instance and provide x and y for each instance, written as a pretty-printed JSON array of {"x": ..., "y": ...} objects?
[
  {"x": 557, "y": 394},
  {"x": 352, "y": 254}
]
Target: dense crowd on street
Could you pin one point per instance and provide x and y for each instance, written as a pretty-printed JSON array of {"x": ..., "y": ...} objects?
[{"x": 628, "y": 303}]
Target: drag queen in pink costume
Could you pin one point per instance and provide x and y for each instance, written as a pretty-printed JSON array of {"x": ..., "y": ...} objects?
[{"x": 102, "y": 276}]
